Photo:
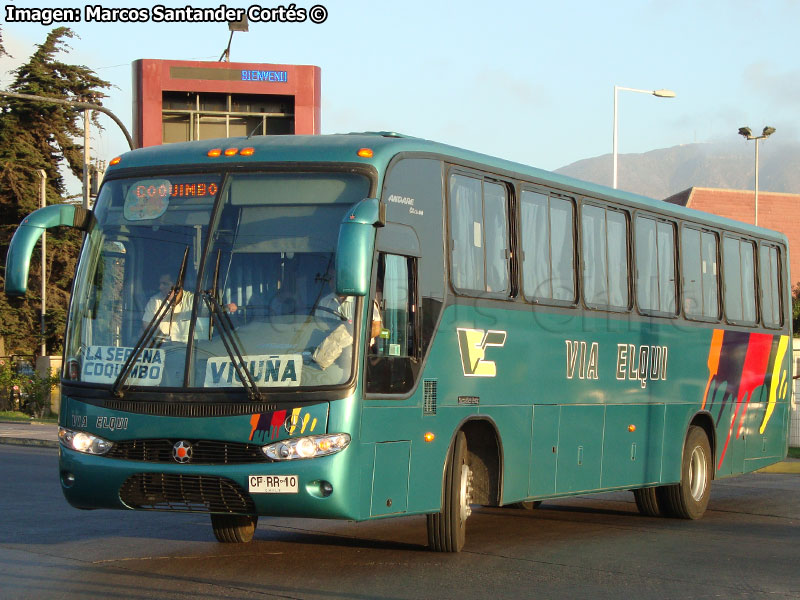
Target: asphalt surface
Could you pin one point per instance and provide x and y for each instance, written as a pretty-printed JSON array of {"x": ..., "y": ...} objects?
[{"x": 593, "y": 547}]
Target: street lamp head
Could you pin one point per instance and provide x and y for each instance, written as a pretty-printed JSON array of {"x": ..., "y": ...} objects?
[
  {"x": 768, "y": 131},
  {"x": 664, "y": 93},
  {"x": 240, "y": 25},
  {"x": 746, "y": 132}
]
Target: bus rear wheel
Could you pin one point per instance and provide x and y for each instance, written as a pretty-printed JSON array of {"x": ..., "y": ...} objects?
[
  {"x": 647, "y": 501},
  {"x": 234, "y": 529},
  {"x": 527, "y": 504},
  {"x": 689, "y": 498},
  {"x": 447, "y": 528}
]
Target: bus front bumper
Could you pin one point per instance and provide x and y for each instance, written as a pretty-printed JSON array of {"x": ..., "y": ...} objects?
[{"x": 324, "y": 487}]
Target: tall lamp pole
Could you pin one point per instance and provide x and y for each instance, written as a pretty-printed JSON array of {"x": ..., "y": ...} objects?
[
  {"x": 617, "y": 88},
  {"x": 747, "y": 133}
]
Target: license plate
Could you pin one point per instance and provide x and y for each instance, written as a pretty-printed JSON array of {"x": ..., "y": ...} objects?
[{"x": 273, "y": 484}]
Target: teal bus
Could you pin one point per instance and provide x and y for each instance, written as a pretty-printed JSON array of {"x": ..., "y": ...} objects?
[{"x": 371, "y": 325}]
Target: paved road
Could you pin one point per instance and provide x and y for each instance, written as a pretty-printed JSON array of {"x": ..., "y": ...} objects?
[{"x": 747, "y": 546}]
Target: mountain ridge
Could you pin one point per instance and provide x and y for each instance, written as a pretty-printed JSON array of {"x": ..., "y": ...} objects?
[{"x": 667, "y": 171}]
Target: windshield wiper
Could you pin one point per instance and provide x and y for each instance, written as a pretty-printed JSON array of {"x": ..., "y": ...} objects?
[
  {"x": 216, "y": 294},
  {"x": 231, "y": 347},
  {"x": 146, "y": 339}
]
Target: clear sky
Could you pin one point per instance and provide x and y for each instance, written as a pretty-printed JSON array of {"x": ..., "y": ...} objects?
[{"x": 529, "y": 81}]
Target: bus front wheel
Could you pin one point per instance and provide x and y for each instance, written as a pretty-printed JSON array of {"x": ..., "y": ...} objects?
[
  {"x": 234, "y": 529},
  {"x": 447, "y": 528},
  {"x": 689, "y": 498}
]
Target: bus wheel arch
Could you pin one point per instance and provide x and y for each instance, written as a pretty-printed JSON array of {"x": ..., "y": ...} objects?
[{"x": 485, "y": 458}]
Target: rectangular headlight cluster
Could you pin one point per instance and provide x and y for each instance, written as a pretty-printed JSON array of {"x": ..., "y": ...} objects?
[
  {"x": 307, "y": 447},
  {"x": 82, "y": 441}
]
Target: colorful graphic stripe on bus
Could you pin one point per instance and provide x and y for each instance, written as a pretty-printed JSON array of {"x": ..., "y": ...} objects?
[
  {"x": 271, "y": 423},
  {"x": 779, "y": 386},
  {"x": 740, "y": 362}
]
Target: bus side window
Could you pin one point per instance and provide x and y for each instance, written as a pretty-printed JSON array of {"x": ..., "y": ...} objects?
[
  {"x": 605, "y": 257},
  {"x": 392, "y": 353},
  {"x": 769, "y": 270},
  {"x": 739, "y": 279},
  {"x": 480, "y": 248}
]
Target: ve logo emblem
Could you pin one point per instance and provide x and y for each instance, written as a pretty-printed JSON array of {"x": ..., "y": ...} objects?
[{"x": 472, "y": 344}]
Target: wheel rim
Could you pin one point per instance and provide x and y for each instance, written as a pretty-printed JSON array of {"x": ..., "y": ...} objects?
[
  {"x": 697, "y": 473},
  {"x": 465, "y": 510}
]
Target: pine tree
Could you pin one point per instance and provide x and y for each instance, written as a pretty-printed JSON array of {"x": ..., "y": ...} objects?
[{"x": 38, "y": 136}]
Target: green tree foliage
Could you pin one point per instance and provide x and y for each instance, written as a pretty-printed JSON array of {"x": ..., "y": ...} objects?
[
  {"x": 796, "y": 309},
  {"x": 38, "y": 136}
]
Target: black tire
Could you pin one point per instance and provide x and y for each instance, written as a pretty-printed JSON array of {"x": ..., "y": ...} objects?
[
  {"x": 233, "y": 529},
  {"x": 647, "y": 501},
  {"x": 447, "y": 528},
  {"x": 527, "y": 504},
  {"x": 689, "y": 498}
]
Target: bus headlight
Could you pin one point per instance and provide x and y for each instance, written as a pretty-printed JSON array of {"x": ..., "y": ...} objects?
[
  {"x": 307, "y": 447},
  {"x": 83, "y": 442}
]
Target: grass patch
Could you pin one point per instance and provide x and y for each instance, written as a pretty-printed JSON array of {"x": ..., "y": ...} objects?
[
  {"x": 794, "y": 453},
  {"x": 15, "y": 415}
]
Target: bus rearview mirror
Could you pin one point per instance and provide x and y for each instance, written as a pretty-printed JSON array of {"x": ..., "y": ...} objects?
[
  {"x": 18, "y": 259},
  {"x": 355, "y": 246}
]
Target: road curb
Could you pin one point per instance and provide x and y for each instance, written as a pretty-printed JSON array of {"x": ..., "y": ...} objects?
[
  {"x": 786, "y": 468},
  {"x": 28, "y": 442}
]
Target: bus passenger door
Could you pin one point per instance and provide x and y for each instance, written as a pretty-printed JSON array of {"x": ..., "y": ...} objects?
[{"x": 391, "y": 364}]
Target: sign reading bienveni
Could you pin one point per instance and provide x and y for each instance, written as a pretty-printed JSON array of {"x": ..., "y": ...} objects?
[{"x": 257, "y": 75}]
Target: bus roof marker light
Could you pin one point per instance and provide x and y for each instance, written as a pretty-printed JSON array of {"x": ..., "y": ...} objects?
[
  {"x": 215, "y": 152},
  {"x": 247, "y": 151},
  {"x": 365, "y": 152},
  {"x": 631, "y": 428},
  {"x": 429, "y": 437},
  {"x": 115, "y": 161},
  {"x": 231, "y": 151}
]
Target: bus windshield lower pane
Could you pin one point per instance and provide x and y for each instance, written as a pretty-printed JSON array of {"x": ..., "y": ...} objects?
[{"x": 267, "y": 263}]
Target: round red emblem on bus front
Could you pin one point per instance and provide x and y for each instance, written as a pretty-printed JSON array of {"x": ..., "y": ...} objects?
[{"x": 182, "y": 452}]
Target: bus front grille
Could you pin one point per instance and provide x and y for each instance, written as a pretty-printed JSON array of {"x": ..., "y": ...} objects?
[
  {"x": 185, "y": 493},
  {"x": 204, "y": 452},
  {"x": 190, "y": 409}
]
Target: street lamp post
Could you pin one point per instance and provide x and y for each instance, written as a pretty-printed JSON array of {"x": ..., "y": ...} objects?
[
  {"x": 657, "y": 93},
  {"x": 747, "y": 134},
  {"x": 42, "y": 204}
]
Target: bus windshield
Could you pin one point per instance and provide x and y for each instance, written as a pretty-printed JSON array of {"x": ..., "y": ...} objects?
[{"x": 168, "y": 251}]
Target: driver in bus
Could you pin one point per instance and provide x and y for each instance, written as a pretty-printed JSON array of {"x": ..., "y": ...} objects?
[
  {"x": 175, "y": 324},
  {"x": 344, "y": 307},
  {"x": 341, "y": 337}
]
